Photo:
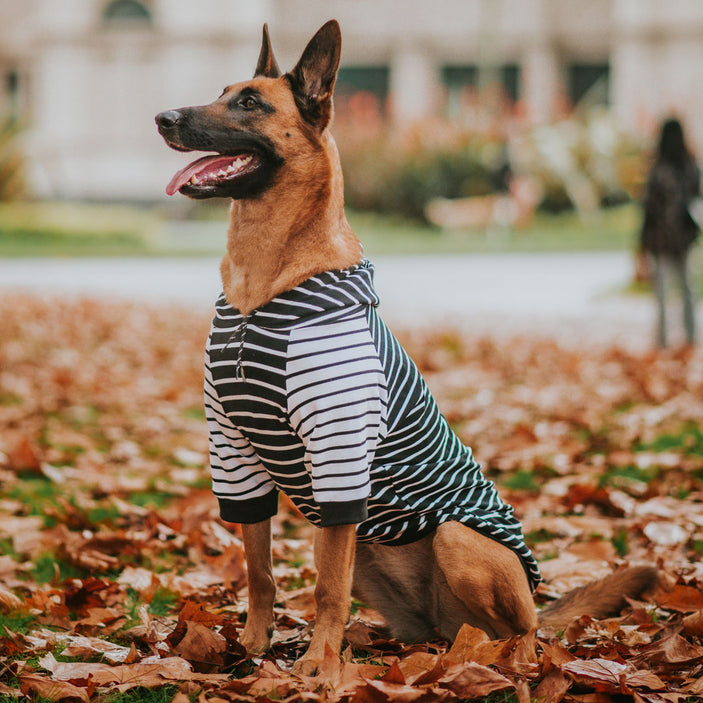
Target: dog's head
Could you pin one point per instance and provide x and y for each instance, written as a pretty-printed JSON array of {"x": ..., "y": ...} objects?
[{"x": 255, "y": 127}]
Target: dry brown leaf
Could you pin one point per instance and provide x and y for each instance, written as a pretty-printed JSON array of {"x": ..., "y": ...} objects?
[
  {"x": 694, "y": 687},
  {"x": 8, "y": 600},
  {"x": 374, "y": 691},
  {"x": 685, "y": 599},
  {"x": 417, "y": 664},
  {"x": 201, "y": 645},
  {"x": 34, "y": 684},
  {"x": 670, "y": 650},
  {"x": 693, "y": 624},
  {"x": 9, "y": 692},
  {"x": 552, "y": 688},
  {"x": 150, "y": 673},
  {"x": 644, "y": 679},
  {"x": 24, "y": 456},
  {"x": 77, "y": 673},
  {"x": 602, "y": 671},
  {"x": 465, "y": 643},
  {"x": 85, "y": 647},
  {"x": 472, "y": 680}
]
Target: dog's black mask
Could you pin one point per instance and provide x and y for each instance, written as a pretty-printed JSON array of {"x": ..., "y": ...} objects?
[{"x": 243, "y": 164}]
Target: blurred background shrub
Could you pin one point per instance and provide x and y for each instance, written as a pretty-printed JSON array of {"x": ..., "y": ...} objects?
[
  {"x": 582, "y": 162},
  {"x": 12, "y": 176}
]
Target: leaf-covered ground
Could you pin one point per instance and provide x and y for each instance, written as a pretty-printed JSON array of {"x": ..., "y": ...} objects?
[{"x": 118, "y": 581}]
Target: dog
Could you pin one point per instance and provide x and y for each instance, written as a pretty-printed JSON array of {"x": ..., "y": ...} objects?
[{"x": 307, "y": 392}]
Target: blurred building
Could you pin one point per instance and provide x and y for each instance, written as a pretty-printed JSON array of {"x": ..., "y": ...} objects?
[{"x": 87, "y": 76}]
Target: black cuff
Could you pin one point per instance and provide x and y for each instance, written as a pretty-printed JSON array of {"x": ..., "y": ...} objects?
[
  {"x": 251, "y": 510},
  {"x": 349, "y": 512}
]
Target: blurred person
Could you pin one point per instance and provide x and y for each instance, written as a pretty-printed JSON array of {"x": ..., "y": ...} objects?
[{"x": 669, "y": 229}]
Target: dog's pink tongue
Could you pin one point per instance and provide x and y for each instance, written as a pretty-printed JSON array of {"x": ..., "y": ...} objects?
[{"x": 185, "y": 174}]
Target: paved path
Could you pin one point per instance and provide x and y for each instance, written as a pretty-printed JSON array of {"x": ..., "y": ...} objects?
[{"x": 573, "y": 296}]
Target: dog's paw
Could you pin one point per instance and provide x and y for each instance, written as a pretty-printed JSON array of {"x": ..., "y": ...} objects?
[
  {"x": 306, "y": 666},
  {"x": 256, "y": 640}
]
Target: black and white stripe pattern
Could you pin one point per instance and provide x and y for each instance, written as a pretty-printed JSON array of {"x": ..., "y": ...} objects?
[{"x": 313, "y": 396}]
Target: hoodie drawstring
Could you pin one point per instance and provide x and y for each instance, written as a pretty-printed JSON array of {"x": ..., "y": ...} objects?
[{"x": 238, "y": 335}]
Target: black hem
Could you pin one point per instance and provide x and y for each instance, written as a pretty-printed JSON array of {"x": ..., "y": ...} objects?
[
  {"x": 348, "y": 512},
  {"x": 251, "y": 510}
]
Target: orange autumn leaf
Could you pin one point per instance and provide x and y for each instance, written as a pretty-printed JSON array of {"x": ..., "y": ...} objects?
[{"x": 686, "y": 599}]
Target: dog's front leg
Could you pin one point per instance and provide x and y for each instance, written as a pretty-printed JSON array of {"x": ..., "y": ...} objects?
[
  {"x": 334, "y": 561},
  {"x": 256, "y": 636}
]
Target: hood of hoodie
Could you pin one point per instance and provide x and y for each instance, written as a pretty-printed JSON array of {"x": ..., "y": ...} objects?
[{"x": 326, "y": 295}]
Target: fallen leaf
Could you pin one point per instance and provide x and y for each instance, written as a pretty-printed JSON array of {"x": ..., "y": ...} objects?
[
  {"x": 552, "y": 688},
  {"x": 670, "y": 650},
  {"x": 601, "y": 671},
  {"x": 693, "y": 624},
  {"x": 8, "y": 600},
  {"x": 76, "y": 672},
  {"x": 375, "y": 691},
  {"x": 202, "y": 646},
  {"x": 665, "y": 534},
  {"x": 685, "y": 599},
  {"x": 24, "y": 456},
  {"x": 472, "y": 680},
  {"x": 34, "y": 684},
  {"x": 465, "y": 643}
]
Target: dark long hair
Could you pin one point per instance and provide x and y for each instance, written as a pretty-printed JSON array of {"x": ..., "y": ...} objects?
[{"x": 672, "y": 144}]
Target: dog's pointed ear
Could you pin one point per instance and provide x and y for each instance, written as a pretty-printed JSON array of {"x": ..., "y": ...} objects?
[
  {"x": 266, "y": 65},
  {"x": 312, "y": 80}
]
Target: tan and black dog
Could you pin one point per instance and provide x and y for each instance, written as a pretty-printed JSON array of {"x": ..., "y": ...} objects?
[{"x": 307, "y": 392}]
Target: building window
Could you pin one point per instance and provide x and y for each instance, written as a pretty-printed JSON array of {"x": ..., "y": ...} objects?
[
  {"x": 589, "y": 83},
  {"x": 11, "y": 96},
  {"x": 463, "y": 80},
  {"x": 366, "y": 79},
  {"x": 510, "y": 77},
  {"x": 126, "y": 12},
  {"x": 362, "y": 91}
]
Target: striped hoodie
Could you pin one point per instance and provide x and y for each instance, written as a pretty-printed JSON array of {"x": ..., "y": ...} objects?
[{"x": 313, "y": 396}]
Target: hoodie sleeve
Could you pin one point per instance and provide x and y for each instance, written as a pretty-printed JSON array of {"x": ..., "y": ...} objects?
[
  {"x": 241, "y": 484},
  {"x": 337, "y": 405}
]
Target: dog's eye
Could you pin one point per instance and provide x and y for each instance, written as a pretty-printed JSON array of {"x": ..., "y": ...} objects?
[{"x": 248, "y": 103}]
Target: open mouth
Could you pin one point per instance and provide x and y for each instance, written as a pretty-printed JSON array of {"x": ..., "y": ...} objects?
[{"x": 212, "y": 172}]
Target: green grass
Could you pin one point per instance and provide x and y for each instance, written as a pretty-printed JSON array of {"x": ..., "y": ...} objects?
[
  {"x": 79, "y": 229},
  {"x": 620, "y": 542},
  {"x": 521, "y": 480},
  {"x": 622, "y": 474},
  {"x": 154, "y": 499},
  {"x": 611, "y": 229},
  {"x": 164, "y": 694},
  {"x": 75, "y": 229},
  {"x": 689, "y": 441},
  {"x": 48, "y": 567},
  {"x": 163, "y": 603},
  {"x": 37, "y": 494},
  {"x": 17, "y": 622}
]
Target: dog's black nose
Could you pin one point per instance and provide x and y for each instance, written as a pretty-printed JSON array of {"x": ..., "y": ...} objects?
[{"x": 168, "y": 119}]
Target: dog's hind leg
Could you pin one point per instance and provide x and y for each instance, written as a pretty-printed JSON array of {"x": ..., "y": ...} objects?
[
  {"x": 397, "y": 581},
  {"x": 481, "y": 582},
  {"x": 432, "y": 587}
]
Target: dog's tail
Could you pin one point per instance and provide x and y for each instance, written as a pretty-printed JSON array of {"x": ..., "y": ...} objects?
[{"x": 600, "y": 598}]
